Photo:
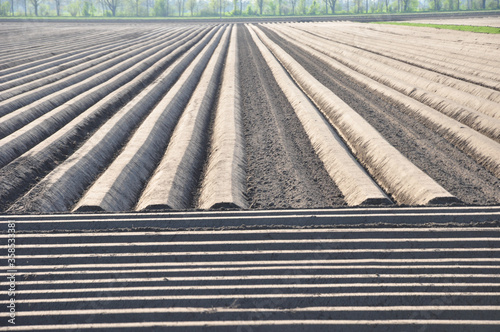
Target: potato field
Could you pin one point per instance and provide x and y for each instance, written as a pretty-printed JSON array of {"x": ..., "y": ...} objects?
[{"x": 139, "y": 117}]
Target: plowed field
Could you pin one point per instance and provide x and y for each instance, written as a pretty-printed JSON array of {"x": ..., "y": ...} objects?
[{"x": 108, "y": 117}]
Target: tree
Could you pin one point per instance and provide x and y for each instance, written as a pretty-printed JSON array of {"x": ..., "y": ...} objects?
[
  {"x": 359, "y": 6},
  {"x": 137, "y": 3},
  {"x": 293, "y": 3},
  {"x": 36, "y": 4},
  {"x": 260, "y": 4},
  {"x": 313, "y": 9},
  {"x": 88, "y": 8},
  {"x": 58, "y": 7},
  {"x": 74, "y": 8},
  {"x": 161, "y": 8},
  {"x": 180, "y": 7},
  {"x": 272, "y": 7},
  {"x": 5, "y": 8},
  {"x": 149, "y": 5},
  {"x": 302, "y": 7},
  {"x": 112, "y": 5},
  {"x": 192, "y": 6},
  {"x": 213, "y": 5},
  {"x": 331, "y": 4}
]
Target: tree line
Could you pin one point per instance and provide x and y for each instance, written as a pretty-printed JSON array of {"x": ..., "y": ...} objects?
[{"x": 211, "y": 8}]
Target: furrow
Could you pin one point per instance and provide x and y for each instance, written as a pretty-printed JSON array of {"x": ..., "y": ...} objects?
[
  {"x": 254, "y": 278},
  {"x": 24, "y": 107},
  {"x": 395, "y": 173},
  {"x": 475, "y": 61},
  {"x": 42, "y": 66},
  {"x": 483, "y": 149},
  {"x": 34, "y": 132},
  {"x": 36, "y": 36},
  {"x": 248, "y": 270},
  {"x": 258, "y": 264},
  {"x": 476, "y": 97},
  {"x": 44, "y": 152},
  {"x": 224, "y": 184},
  {"x": 453, "y": 70},
  {"x": 389, "y": 49},
  {"x": 288, "y": 324},
  {"x": 136, "y": 162},
  {"x": 65, "y": 292},
  {"x": 356, "y": 185},
  {"x": 419, "y": 88},
  {"x": 176, "y": 176},
  {"x": 399, "y": 277},
  {"x": 358, "y": 242},
  {"x": 451, "y": 42},
  {"x": 265, "y": 254},
  {"x": 283, "y": 170},
  {"x": 27, "y": 80},
  {"x": 62, "y": 187},
  {"x": 249, "y": 310},
  {"x": 34, "y": 57}
]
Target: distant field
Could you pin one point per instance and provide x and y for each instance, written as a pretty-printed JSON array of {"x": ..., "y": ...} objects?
[
  {"x": 473, "y": 21},
  {"x": 457, "y": 26}
]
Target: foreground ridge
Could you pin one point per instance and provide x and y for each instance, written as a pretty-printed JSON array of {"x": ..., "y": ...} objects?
[{"x": 334, "y": 275}]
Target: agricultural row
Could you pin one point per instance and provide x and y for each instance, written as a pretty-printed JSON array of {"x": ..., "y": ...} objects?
[
  {"x": 247, "y": 116},
  {"x": 312, "y": 279}
]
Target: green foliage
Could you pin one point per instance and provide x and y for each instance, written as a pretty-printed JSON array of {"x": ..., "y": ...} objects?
[
  {"x": 88, "y": 9},
  {"x": 191, "y": 5},
  {"x": 44, "y": 10},
  {"x": 302, "y": 8},
  {"x": 214, "y": 7},
  {"x": 73, "y": 8},
  {"x": 469, "y": 28},
  {"x": 160, "y": 8},
  {"x": 314, "y": 8},
  {"x": 249, "y": 10},
  {"x": 494, "y": 4},
  {"x": 273, "y": 7},
  {"x": 5, "y": 9},
  {"x": 231, "y": 8}
]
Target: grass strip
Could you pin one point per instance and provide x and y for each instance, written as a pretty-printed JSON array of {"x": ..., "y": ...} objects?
[{"x": 470, "y": 28}]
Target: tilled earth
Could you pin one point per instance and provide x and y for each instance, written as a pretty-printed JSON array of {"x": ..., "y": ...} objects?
[
  {"x": 450, "y": 167},
  {"x": 283, "y": 170},
  {"x": 355, "y": 269}
]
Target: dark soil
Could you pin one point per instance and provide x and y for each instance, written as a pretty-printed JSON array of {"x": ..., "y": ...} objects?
[
  {"x": 283, "y": 170},
  {"x": 452, "y": 169}
]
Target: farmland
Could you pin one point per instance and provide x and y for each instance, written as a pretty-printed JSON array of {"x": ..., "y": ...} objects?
[
  {"x": 108, "y": 117},
  {"x": 297, "y": 176}
]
